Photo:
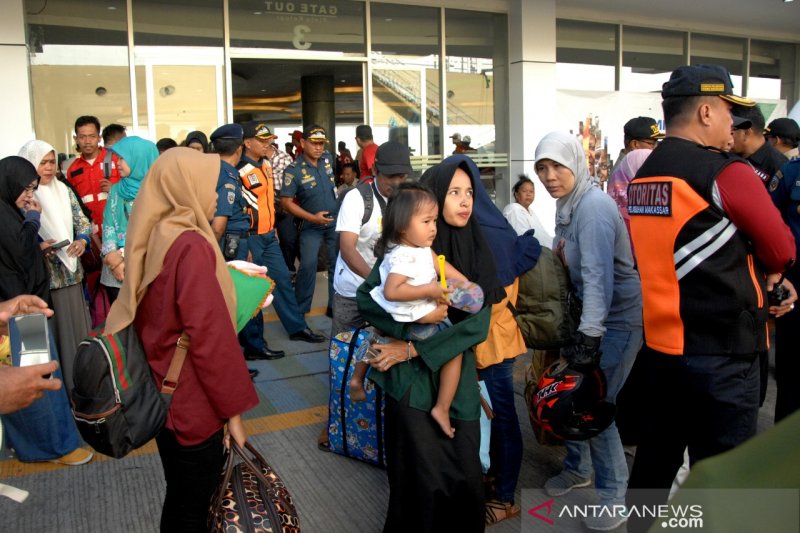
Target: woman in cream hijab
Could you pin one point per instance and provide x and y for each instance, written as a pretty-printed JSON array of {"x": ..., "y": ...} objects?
[
  {"x": 176, "y": 281},
  {"x": 62, "y": 220}
]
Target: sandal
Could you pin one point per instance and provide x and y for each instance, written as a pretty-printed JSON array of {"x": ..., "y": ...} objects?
[
  {"x": 497, "y": 511},
  {"x": 322, "y": 441}
]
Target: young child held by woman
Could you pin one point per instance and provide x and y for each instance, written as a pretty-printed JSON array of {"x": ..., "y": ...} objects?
[{"x": 411, "y": 290}]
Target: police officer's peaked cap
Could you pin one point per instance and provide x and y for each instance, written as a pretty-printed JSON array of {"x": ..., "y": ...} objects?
[
  {"x": 703, "y": 80},
  {"x": 315, "y": 133},
  {"x": 228, "y": 131},
  {"x": 258, "y": 129}
]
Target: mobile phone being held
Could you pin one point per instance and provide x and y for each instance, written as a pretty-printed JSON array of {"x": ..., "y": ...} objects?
[
  {"x": 30, "y": 340},
  {"x": 59, "y": 245}
]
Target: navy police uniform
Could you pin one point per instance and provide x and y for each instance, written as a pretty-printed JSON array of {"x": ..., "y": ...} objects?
[
  {"x": 314, "y": 189},
  {"x": 785, "y": 190},
  {"x": 234, "y": 243},
  {"x": 231, "y": 204}
]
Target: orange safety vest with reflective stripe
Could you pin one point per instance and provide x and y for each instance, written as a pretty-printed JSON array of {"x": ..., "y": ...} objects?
[
  {"x": 259, "y": 193},
  {"x": 703, "y": 292},
  {"x": 85, "y": 179}
]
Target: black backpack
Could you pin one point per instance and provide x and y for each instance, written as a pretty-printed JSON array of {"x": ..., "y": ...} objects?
[
  {"x": 548, "y": 311},
  {"x": 365, "y": 190},
  {"x": 115, "y": 401}
]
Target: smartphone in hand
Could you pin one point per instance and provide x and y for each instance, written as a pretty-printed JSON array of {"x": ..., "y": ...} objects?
[
  {"x": 30, "y": 340},
  {"x": 59, "y": 245}
]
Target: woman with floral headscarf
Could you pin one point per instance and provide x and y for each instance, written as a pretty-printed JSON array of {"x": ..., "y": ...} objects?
[
  {"x": 136, "y": 155},
  {"x": 594, "y": 244},
  {"x": 61, "y": 220}
]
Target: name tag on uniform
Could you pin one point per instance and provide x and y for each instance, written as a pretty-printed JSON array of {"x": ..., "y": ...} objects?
[
  {"x": 252, "y": 180},
  {"x": 653, "y": 198}
]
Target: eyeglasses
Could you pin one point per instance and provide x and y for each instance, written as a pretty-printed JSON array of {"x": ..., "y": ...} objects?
[
  {"x": 649, "y": 142},
  {"x": 32, "y": 187}
]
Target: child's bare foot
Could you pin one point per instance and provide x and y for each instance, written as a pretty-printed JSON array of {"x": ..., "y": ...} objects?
[
  {"x": 442, "y": 417},
  {"x": 357, "y": 392}
]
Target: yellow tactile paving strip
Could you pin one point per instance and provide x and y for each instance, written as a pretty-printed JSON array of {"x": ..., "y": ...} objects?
[
  {"x": 271, "y": 316},
  {"x": 265, "y": 424}
]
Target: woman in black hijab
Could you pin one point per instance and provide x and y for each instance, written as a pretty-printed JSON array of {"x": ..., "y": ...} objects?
[
  {"x": 22, "y": 266},
  {"x": 44, "y": 431},
  {"x": 435, "y": 482}
]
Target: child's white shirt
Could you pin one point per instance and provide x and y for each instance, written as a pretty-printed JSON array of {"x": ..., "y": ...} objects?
[{"x": 417, "y": 265}]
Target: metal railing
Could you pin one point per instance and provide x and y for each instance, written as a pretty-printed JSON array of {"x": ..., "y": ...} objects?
[{"x": 483, "y": 160}]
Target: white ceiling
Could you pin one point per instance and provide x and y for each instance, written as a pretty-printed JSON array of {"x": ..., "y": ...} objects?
[{"x": 766, "y": 19}]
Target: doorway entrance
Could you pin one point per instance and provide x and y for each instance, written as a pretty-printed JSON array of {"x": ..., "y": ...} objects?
[{"x": 269, "y": 90}]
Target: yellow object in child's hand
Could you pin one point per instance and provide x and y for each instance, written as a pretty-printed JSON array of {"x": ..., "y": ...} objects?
[
  {"x": 5, "y": 350},
  {"x": 442, "y": 277}
]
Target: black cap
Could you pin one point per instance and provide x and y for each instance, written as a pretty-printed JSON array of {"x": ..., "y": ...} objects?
[
  {"x": 783, "y": 127},
  {"x": 741, "y": 123},
  {"x": 364, "y": 132},
  {"x": 642, "y": 128},
  {"x": 228, "y": 131},
  {"x": 315, "y": 133},
  {"x": 703, "y": 80},
  {"x": 258, "y": 129},
  {"x": 393, "y": 158}
]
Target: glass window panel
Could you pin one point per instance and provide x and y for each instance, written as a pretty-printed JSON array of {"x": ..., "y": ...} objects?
[
  {"x": 405, "y": 76},
  {"x": 649, "y": 56},
  {"x": 179, "y": 74},
  {"x": 579, "y": 44},
  {"x": 79, "y": 66},
  {"x": 334, "y": 28},
  {"x": 715, "y": 49},
  {"x": 178, "y": 23},
  {"x": 770, "y": 63},
  {"x": 477, "y": 78}
]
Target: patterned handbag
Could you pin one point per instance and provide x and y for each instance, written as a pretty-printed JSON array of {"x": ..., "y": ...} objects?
[{"x": 251, "y": 498}]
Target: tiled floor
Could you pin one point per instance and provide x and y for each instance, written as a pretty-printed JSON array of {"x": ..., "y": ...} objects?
[{"x": 332, "y": 493}]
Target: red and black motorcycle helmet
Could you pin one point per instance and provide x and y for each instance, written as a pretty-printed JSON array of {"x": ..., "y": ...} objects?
[{"x": 570, "y": 402}]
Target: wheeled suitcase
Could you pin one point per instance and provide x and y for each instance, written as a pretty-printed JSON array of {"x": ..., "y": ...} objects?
[{"x": 355, "y": 429}]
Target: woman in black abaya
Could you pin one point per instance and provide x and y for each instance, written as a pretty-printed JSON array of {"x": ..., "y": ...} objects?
[{"x": 435, "y": 481}]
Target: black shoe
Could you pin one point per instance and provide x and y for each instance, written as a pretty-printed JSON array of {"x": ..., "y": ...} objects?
[
  {"x": 266, "y": 353},
  {"x": 253, "y": 372},
  {"x": 306, "y": 335}
]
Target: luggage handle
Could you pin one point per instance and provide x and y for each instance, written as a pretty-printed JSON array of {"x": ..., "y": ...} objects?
[{"x": 230, "y": 463}]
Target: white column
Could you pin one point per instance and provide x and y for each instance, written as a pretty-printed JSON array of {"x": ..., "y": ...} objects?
[
  {"x": 532, "y": 91},
  {"x": 16, "y": 128}
]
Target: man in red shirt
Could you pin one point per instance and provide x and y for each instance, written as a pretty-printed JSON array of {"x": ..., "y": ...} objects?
[
  {"x": 91, "y": 175},
  {"x": 366, "y": 152},
  {"x": 94, "y": 171}
]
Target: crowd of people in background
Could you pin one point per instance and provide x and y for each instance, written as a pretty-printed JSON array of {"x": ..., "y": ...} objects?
[{"x": 674, "y": 266}]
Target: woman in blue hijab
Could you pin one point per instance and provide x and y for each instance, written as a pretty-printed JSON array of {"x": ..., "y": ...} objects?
[{"x": 136, "y": 156}]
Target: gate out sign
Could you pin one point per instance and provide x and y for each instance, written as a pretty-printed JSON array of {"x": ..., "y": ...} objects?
[{"x": 300, "y": 8}]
